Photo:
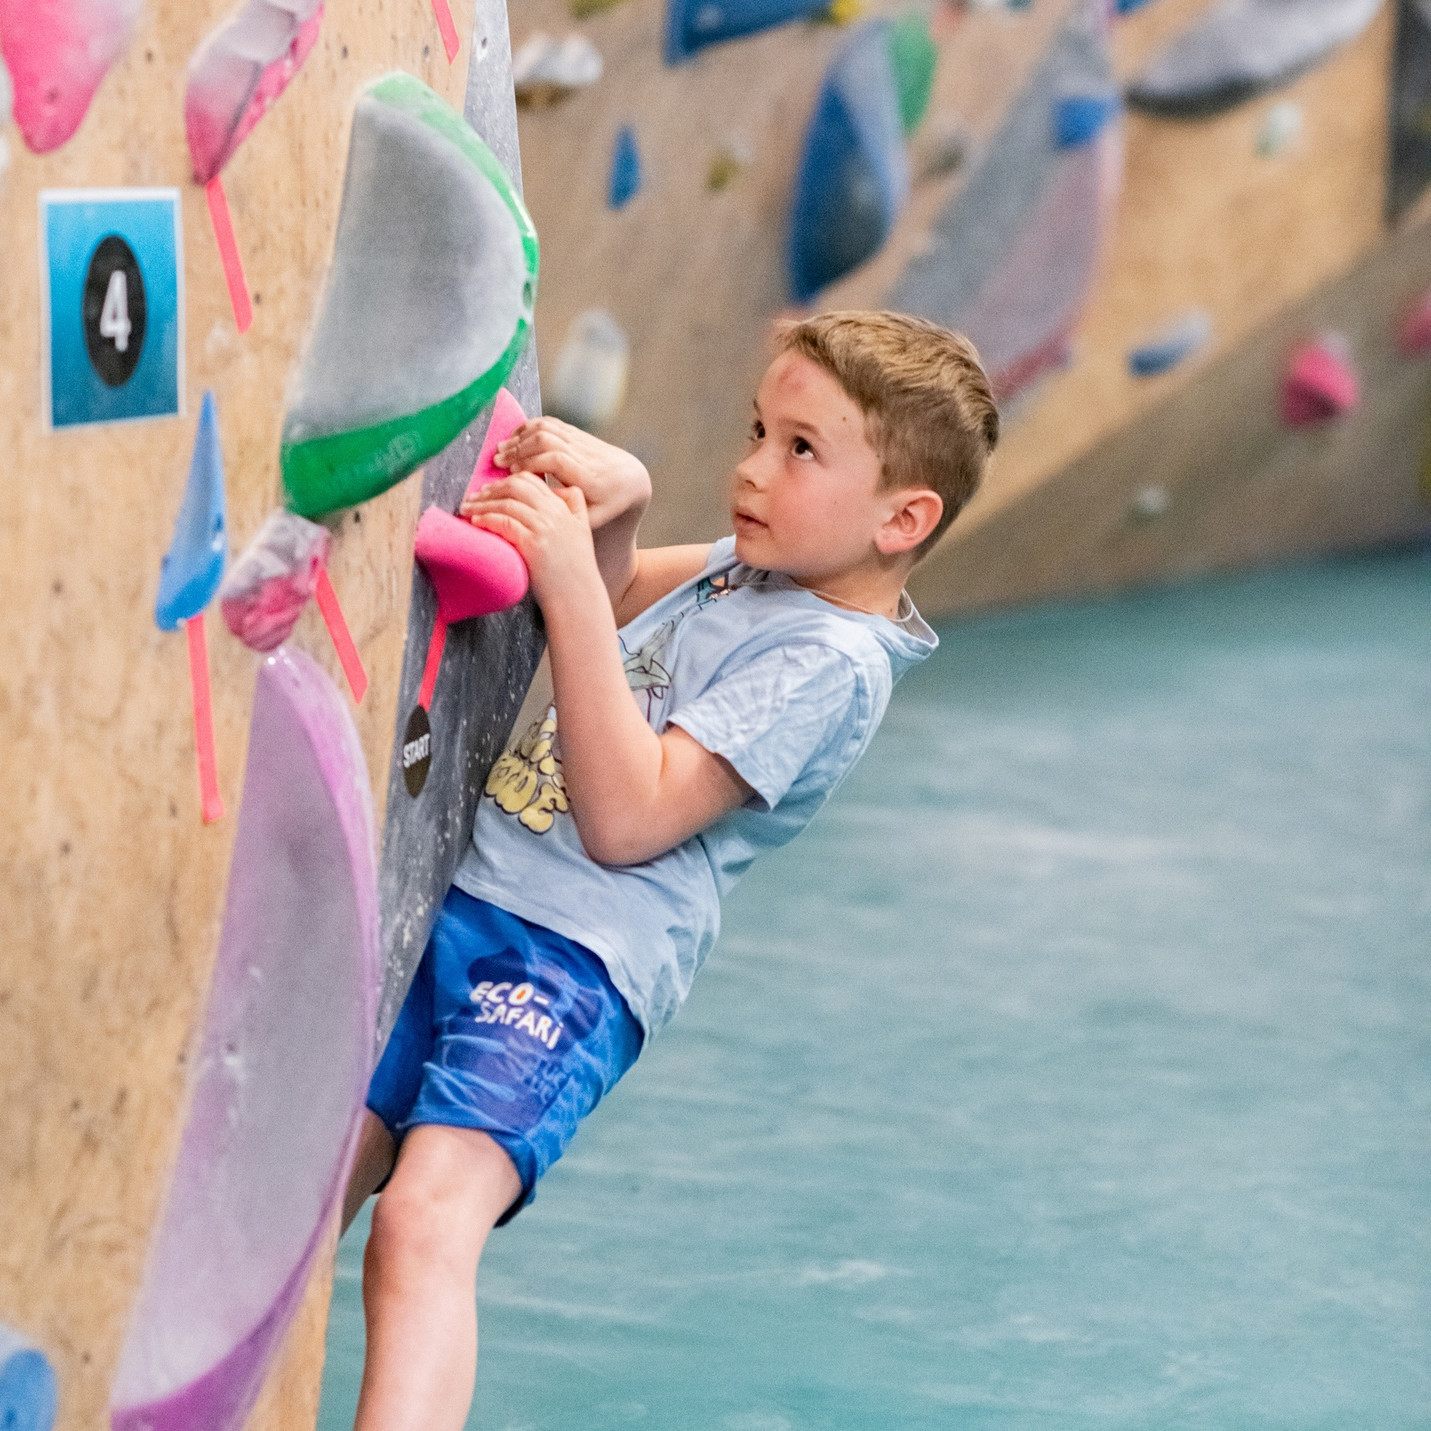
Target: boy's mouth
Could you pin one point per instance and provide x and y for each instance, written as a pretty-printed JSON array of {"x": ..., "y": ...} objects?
[{"x": 744, "y": 521}]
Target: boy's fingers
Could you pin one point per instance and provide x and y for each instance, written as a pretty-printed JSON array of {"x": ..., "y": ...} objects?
[
  {"x": 503, "y": 524},
  {"x": 554, "y": 463},
  {"x": 534, "y": 456},
  {"x": 511, "y": 507},
  {"x": 520, "y": 484},
  {"x": 574, "y": 498}
]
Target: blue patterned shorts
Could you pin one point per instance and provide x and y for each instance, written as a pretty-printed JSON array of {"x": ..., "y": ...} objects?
[{"x": 508, "y": 1027}]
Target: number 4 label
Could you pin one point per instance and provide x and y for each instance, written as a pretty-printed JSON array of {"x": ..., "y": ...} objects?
[
  {"x": 112, "y": 279},
  {"x": 114, "y": 321}
]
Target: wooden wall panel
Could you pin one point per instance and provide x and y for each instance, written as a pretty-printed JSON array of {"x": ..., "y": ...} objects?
[
  {"x": 1239, "y": 487},
  {"x": 111, "y": 888}
]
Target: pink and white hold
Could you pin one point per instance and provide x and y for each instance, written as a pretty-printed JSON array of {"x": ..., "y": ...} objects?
[
  {"x": 267, "y": 588},
  {"x": 58, "y": 52},
  {"x": 239, "y": 71}
]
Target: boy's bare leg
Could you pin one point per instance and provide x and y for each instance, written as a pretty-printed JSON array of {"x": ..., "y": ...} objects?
[
  {"x": 374, "y": 1161},
  {"x": 419, "y": 1278}
]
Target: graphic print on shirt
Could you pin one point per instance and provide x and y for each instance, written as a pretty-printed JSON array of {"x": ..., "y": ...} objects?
[{"x": 526, "y": 780}]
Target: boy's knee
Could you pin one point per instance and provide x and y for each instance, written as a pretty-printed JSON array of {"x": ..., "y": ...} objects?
[
  {"x": 405, "y": 1224},
  {"x": 435, "y": 1211}
]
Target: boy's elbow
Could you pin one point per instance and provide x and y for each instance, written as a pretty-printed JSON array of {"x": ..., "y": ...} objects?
[{"x": 611, "y": 842}]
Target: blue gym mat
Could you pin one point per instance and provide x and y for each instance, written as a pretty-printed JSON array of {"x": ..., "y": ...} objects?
[{"x": 1072, "y": 1071}]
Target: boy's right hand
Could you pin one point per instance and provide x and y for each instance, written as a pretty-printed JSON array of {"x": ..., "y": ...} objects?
[{"x": 614, "y": 483}]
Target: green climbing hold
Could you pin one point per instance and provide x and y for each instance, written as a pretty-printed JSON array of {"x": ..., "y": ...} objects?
[
  {"x": 913, "y": 56},
  {"x": 420, "y": 323}
]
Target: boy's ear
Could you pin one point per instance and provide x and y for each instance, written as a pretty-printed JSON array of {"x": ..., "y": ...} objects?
[{"x": 915, "y": 516}]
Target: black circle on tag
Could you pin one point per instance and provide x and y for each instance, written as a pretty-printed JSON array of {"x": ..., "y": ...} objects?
[
  {"x": 114, "y": 311},
  {"x": 416, "y": 751}
]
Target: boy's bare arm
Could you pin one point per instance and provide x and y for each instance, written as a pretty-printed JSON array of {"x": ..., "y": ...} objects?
[
  {"x": 633, "y": 794},
  {"x": 659, "y": 570},
  {"x": 617, "y": 489}
]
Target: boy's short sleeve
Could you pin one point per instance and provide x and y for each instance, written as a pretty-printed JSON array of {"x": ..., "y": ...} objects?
[{"x": 783, "y": 710}]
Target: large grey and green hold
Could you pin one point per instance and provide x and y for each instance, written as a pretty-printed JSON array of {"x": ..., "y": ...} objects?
[{"x": 421, "y": 322}]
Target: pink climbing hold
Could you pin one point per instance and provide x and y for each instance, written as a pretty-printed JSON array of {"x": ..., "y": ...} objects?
[
  {"x": 239, "y": 71},
  {"x": 1413, "y": 337},
  {"x": 474, "y": 572},
  {"x": 1319, "y": 383},
  {"x": 58, "y": 52}
]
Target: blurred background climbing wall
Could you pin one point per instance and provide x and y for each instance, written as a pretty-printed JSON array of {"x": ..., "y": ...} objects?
[{"x": 1164, "y": 228}]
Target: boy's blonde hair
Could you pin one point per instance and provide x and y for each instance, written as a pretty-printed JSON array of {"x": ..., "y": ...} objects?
[{"x": 929, "y": 411}]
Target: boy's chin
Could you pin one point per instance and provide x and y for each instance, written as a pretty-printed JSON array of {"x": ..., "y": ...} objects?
[{"x": 751, "y": 551}]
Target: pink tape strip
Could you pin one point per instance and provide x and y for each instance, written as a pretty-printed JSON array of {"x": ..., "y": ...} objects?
[
  {"x": 228, "y": 252},
  {"x": 343, "y": 643},
  {"x": 210, "y": 801},
  {"x": 434, "y": 661},
  {"x": 450, "y": 42}
]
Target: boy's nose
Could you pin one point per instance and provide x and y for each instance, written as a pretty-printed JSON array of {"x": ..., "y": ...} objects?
[{"x": 748, "y": 472}]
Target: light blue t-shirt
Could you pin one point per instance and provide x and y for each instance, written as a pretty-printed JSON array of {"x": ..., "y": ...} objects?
[{"x": 787, "y": 687}]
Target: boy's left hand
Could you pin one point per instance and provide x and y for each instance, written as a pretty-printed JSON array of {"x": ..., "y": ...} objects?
[
  {"x": 614, "y": 481},
  {"x": 549, "y": 526}
]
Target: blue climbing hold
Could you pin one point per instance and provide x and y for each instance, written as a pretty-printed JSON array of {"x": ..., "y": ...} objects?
[
  {"x": 194, "y": 564},
  {"x": 1170, "y": 347},
  {"x": 1079, "y": 118},
  {"x": 29, "y": 1398},
  {"x": 625, "y": 181},
  {"x": 691, "y": 25},
  {"x": 853, "y": 179},
  {"x": 1126, "y": 7}
]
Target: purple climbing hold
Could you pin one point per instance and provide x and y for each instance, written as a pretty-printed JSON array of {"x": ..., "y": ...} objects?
[
  {"x": 1012, "y": 257},
  {"x": 278, "y": 1081}
]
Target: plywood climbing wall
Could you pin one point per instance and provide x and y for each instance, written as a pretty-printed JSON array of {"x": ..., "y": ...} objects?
[{"x": 112, "y": 888}]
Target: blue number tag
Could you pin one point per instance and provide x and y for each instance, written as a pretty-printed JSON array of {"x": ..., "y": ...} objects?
[{"x": 111, "y": 279}]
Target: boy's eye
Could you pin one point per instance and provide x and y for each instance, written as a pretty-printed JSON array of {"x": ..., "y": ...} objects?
[
  {"x": 800, "y": 448},
  {"x": 757, "y": 430}
]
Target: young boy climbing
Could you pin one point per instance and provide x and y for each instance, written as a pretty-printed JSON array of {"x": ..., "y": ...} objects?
[{"x": 710, "y": 698}]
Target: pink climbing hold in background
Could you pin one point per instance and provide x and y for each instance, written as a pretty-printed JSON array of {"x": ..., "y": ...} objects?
[
  {"x": 238, "y": 72},
  {"x": 473, "y": 571},
  {"x": 58, "y": 52},
  {"x": 1319, "y": 383},
  {"x": 1413, "y": 337}
]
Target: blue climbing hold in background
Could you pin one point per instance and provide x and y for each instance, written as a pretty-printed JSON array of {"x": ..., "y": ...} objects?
[
  {"x": 1079, "y": 118},
  {"x": 194, "y": 564},
  {"x": 691, "y": 25},
  {"x": 853, "y": 179},
  {"x": 1170, "y": 347},
  {"x": 29, "y": 1398},
  {"x": 625, "y": 181}
]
